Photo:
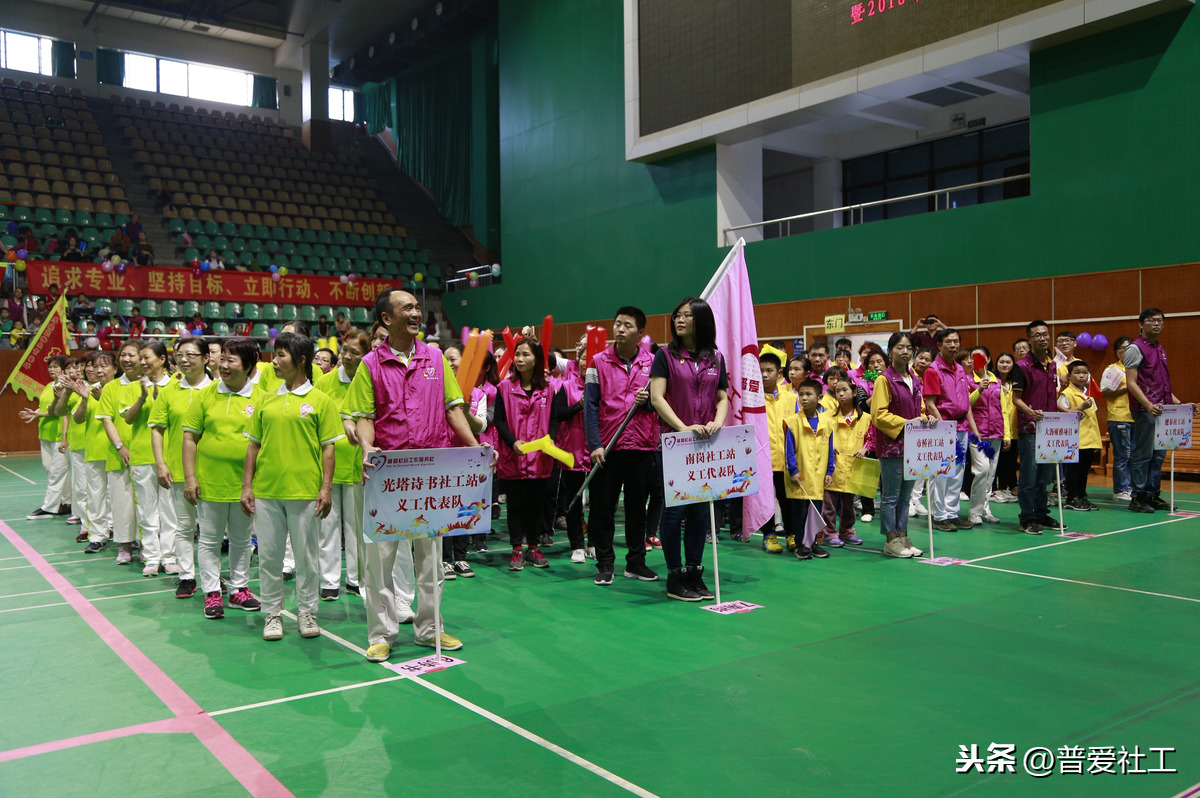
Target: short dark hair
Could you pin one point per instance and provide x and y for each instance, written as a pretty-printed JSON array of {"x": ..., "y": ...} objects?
[
  {"x": 942, "y": 334},
  {"x": 1148, "y": 312},
  {"x": 842, "y": 343},
  {"x": 299, "y": 347},
  {"x": 833, "y": 372},
  {"x": 333, "y": 358},
  {"x": 1074, "y": 364},
  {"x": 804, "y": 362},
  {"x": 639, "y": 318},
  {"x": 383, "y": 302},
  {"x": 1019, "y": 341},
  {"x": 1120, "y": 342},
  {"x": 703, "y": 323},
  {"x": 925, "y": 350},
  {"x": 154, "y": 346},
  {"x": 57, "y": 360},
  {"x": 298, "y": 327},
  {"x": 772, "y": 358},
  {"x": 819, "y": 345},
  {"x": 244, "y": 349},
  {"x": 1035, "y": 323},
  {"x": 1065, "y": 334},
  {"x": 537, "y": 380},
  {"x": 896, "y": 337},
  {"x": 812, "y": 385},
  {"x": 199, "y": 341}
]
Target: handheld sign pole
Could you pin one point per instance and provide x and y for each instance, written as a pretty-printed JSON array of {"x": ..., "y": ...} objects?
[
  {"x": 712, "y": 525},
  {"x": 596, "y": 467},
  {"x": 929, "y": 513},
  {"x": 1172, "y": 480},
  {"x": 1059, "y": 492},
  {"x": 437, "y": 611}
]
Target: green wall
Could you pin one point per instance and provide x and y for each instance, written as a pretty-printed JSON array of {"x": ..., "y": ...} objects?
[{"x": 1113, "y": 123}]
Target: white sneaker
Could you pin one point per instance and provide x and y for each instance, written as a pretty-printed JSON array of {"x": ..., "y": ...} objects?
[
  {"x": 170, "y": 567},
  {"x": 867, "y": 518},
  {"x": 975, "y": 520},
  {"x": 273, "y": 628},
  {"x": 578, "y": 555},
  {"x": 308, "y": 625},
  {"x": 896, "y": 548},
  {"x": 989, "y": 518},
  {"x": 917, "y": 508},
  {"x": 590, "y": 552},
  {"x": 404, "y": 612},
  {"x": 1123, "y": 496},
  {"x": 913, "y": 551},
  {"x": 151, "y": 569},
  {"x": 963, "y": 497}
]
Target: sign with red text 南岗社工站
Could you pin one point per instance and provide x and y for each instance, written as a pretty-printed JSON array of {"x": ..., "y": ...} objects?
[{"x": 699, "y": 469}]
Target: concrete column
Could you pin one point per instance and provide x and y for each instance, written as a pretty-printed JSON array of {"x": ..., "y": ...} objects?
[
  {"x": 827, "y": 192},
  {"x": 316, "y": 133},
  {"x": 739, "y": 190}
]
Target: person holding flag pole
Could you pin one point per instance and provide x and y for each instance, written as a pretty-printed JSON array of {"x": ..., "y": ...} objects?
[{"x": 689, "y": 389}]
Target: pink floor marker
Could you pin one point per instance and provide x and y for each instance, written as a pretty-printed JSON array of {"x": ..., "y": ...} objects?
[
  {"x": 942, "y": 561},
  {"x": 166, "y": 726},
  {"x": 229, "y": 752},
  {"x": 423, "y": 665}
]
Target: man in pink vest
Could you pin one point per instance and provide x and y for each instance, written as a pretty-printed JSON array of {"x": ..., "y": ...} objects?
[
  {"x": 404, "y": 396},
  {"x": 1149, "y": 383},
  {"x": 947, "y": 392},
  {"x": 618, "y": 380}
]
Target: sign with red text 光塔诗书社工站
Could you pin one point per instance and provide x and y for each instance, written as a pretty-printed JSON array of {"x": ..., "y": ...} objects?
[{"x": 428, "y": 493}]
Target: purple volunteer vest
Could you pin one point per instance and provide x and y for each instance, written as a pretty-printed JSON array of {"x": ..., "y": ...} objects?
[
  {"x": 528, "y": 418},
  {"x": 410, "y": 401},
  {"x": 906, "y": 403},
  {"x": 692, "y": 388},
  {"x": 1153, "y": 377},
  {"x": 1041, "y": 390},
  {"x": 986, "y": 410}
]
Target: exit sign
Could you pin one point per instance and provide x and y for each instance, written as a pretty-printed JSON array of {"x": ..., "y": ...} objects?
[
  {"x": 877, "y": 315},
  {"x": 980, "y": 122}
]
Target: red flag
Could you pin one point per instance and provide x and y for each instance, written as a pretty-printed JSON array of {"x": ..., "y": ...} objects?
[
  {"x": 31, "y": 374},
  {"x": 728, "y": 293}
]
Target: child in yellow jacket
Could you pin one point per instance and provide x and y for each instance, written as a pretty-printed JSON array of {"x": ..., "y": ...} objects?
[
  {"x": 1075, "y": 397},
  {"x": 808, "y": 456},
  {"x": 850, "y": 428},
  {"x": 781, "y": 403}
]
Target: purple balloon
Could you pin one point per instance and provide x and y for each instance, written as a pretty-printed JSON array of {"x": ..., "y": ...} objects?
[
  {"x": 121, "y": 268},
  {"x": 1084, "y": 340},
  {"x": 273, "y": 332},
  {"x": 1100, "y": 342},
  {"x": 22, "y": 254},
  {"x": 276, "y": 276},
  {"x": 196, "y": 272},
  {"x": 344, "y": 279}
]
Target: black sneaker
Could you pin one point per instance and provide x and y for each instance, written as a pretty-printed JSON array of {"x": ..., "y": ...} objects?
[
  {"x": 1158, "y": 502},
  {"x": 463, "y": 569},
  {"x": 353, "y": 589},
  {"x": 39, "y": 515},
  {"x": 1031, "y": 528},
  {"x": 1075, "y": 504},
  {"x": 546, "y": 540},
  {"x": 1046, "y": 522},
  {"x": 94, "y": 547},
  {"x": 961, "y": 523},
  {"x": 329, "y": 594},
  {"x": 1138, "y": 506},
  {"x": 603, "y": 578},
  {"x": 82, "y": 537},
  {"x": 679, "y": 586},
  {"x": 819, "y": 552},
  {"x": 480, "y": 547},
  {"x": 696, "y": 575},
  {"x": 803, "y": 552},
  {"x": 185, "y": 589},
  {"x": 640, "y": 571},
  {"x": 289, "y": 576},
  {"x": 945, "y": 526}
]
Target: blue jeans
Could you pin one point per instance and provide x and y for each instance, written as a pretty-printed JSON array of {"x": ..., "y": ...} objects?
[
  {"x": 1145, "y": 464},
  {"x": 1035, "y": 476},
  {"x": 693, "y": 534},
  {"x": 896, "y": 491},
  {"x": 1121, "y": 435}
]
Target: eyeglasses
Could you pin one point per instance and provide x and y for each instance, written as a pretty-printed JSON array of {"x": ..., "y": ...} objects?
[
  {"x": 1040, "y": 335},
  {"x": 1155, "y": 320}
]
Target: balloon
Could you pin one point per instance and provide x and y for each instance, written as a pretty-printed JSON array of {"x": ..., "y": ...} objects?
[
  {"x": 418, "y": 277},
  {"x": 1099, "y": 342},
  {"x": 283, "y": 271},
  {"x": 466, "y": 333},
  {"x": 351, "y": 276},
  {"x": 274, "y": 268},
  {"x": 92, "y": 342},
  {"x": 196, "y": 272},
  {"x": 473, "y": 283},
  {"x": 121, "y": 268},
  {"x": 106, "y": 267},
  {"x": 473, "y": 275},
  {"x": 195, "y": 264},
  {"x": 344, "y": 279},
  {"x": 276, "y": 277},
  {"x": 11, "y": 256},
  {"x": 495, "y": 269},
  {"x": 20, "y": 265},
  {"x": 205, "y": 266},
  {"x": 22, "y": 254},
  {"x": 116, "y": 259},
  {"x": 185, "y": 334},
  {"x": 273, "y": 332},
  {"x": 1084, "y": 339}
]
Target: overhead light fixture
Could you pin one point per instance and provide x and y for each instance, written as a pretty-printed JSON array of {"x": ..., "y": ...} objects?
[
  {"x": 371, "y": 51},
  {"x": 392, "y": 37},
  {"x": 438, "y": 9},
  {"x": 415, "y": 23}
]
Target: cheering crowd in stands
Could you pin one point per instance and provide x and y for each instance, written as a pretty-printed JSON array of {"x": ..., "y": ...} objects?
[{"x": 172, "y": 458}]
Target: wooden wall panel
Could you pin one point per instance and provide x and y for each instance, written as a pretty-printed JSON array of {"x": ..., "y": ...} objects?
[
  {"x": 1175, "y": 289},
  {"x": 1086, "y": 296},
  {"x": 1014, "y": 301}
]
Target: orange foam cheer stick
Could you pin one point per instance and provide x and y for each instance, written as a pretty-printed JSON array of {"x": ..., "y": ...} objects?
[{"x": 468, "y": 369}]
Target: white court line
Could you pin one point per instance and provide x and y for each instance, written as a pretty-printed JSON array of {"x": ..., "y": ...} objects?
[
  {"x": 82, "y": 587},
  {"x": 15, "y": 474},
  {"x": 1080, "y": 582},
  {"x": 57, "y": 562},
  {"x": 286, "y": 699},
  {"x": 101, "y": 598},
  {"x": 1074, "y": 540},
  {"x": 553, "y": 748},
  {"x": 38, "y": 606}
]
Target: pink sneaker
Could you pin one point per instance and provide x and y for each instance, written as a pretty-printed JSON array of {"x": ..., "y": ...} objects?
[
  {"x": 212, "y": 605},
  {"x": 653, "y": 542},
  {"x": 535, "y": 558},
  {"x": 243, "y": 598},
  {"x": 517, "y": 563}
]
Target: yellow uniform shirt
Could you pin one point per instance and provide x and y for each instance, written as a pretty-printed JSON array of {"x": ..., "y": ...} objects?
[
  {"x": 849, "y": 435},
  {"x": 780, "y": 405},
  {"x": 812, "y": 455},
  {"x": 1118, "y": 408},
  {"x": 1089, "y": 426},
  {"x": 1008, "y": 409}
]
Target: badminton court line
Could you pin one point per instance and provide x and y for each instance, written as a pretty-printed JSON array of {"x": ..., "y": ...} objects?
[
  {"x": 553, "y": 748},
  {"x": 1073, "y": 540},
  {"x": 287, "y": 699},
  {"x": 20, "y": 476},
  {"x": 1081, "y": 582}
]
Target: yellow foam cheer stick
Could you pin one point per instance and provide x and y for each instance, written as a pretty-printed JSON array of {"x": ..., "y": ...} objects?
[{"x": 546, "y": 445}]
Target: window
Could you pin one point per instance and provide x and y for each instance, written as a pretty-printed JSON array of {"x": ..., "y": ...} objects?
[
  {"x": 960, "y": 160},
  {"x": 341, "y": 104},
  {"x": 25, "y": 53},
  {"x": 182, "y": 79}
]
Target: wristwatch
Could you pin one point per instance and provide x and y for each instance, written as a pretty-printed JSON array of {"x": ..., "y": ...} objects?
[{"x": 119, "y": 446}]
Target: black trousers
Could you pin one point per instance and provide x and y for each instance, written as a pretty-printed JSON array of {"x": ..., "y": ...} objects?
[
  {"x": 568, "y": 485},
  {"x": 526, "y": 509},
  {"x": 1075, "y": 475},
  {"x": 636, "y": 471},
  {"x": 1006, "y": 468}
]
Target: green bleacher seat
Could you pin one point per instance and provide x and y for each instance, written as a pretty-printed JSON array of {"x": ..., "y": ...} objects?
[
  {"x": 270, "y": 312},
  {"x": 168, "y": 307},
  {"x": 254, "y": 245},
  {"x": 8, "y": 241},
  {"x": 149, "y": 307},
  {"x": 43, "y": 216},
  {"x": 359, "y": 316},
  {"x": 260, "y": 331},
  {"x": 124, "y": 307},
  {"x": 233, "y": 310},
  {"x": 189, "y": 308},
  {"x": 320, "y": 250},
  {"x": 211, "y": 228},
  {"x": 21, "y": 214},
  {"x": 84, "y": 219},
  {"x": 421, "y": 257},
  {"x": 238, "y": 244},
  {"x": 247, "y": 259},
  {"x": 245, "y": 231},
  {"x": 157, "y": 327},
  {"x": 303, "y": 248},
  {"x": 62, "y": 218},
  {"x": 195, "y": 227},
  {"x": 351, "y": 252},
  {"x": 104, "y": 220},
  {"x": 203, "y": 243},
  {"x": 294, "y": 235},
  {"x": 308, "y": 313},
  {"x": 228, "y": 229},
  {"x": 309, "y": 236},
  {"x": 339, "y": 238},
  {"x": 176, "y": 226},
  {"x": 220, "y": 328},
  {"x": 281, "y": 260},
  {"x": 433, "y": 283},
  {"x": 326, "y": 311},
  {"x": 220, "y": 243},
  {"x": 325, "y": 237},
  {"x": 337, "y": 251},
  {"x": 278, "y": 234},
  {"x": 354, "y": 239},
  {"x": 287, "y": 248},
  {"x": 190, "y": 254},
  {"x": 344, "y": 310},
  {"x": 261, "y": 231},
  {"x": 4, "y": 214},
  {"x": 406, "y": 270},
  {"x": 90, "y": 235},
  {"x": 312, "y": 262},
  {"x": 121, "y": 219},
  {"x": 251, "y": 311},
  {"x": 288, "y": 313},
  {"x": 212, "y": 310}
]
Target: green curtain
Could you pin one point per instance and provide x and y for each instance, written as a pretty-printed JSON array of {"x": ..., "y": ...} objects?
[
  {"x": 265, "y": 92},
  {"x": 377, "y": 102},
  {"x": 110, "y": 66},
  {"x": 62, "y": 56},
  {"x": 433, "y": 134},
  {"x": 360, "y": 108}
]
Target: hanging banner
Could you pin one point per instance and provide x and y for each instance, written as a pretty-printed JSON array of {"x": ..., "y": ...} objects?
[
  {"x": 1173, "y": 429},
  {"x": 428, "y": 493},
  {"x": 163, "y": 282},
  {"x": 929, "y": 449},
  {"x": 1058, "y": 438},
  {"x": 699, "y": 469}
]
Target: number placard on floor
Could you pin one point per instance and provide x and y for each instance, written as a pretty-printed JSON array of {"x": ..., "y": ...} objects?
[{"x": 428, "y": 493}]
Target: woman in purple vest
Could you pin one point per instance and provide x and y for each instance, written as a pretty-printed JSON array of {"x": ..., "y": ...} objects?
[
  {"x": 895, "y": 399},
  {"x": 688, "y": 385},
  {"x": 525, "y": 411}
]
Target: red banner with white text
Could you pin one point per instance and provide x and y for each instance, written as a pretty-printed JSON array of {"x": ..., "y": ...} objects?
[{"x": 165, "y": 282}]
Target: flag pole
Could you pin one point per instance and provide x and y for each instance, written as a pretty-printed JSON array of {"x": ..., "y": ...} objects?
[
  {"x": 722, "y": 270},
  {"x": 712, "y": 525}
]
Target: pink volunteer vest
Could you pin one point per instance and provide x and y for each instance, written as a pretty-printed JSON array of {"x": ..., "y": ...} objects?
[
  {"x": 410, "y": 401},
  {"x": 617, "y": 391},
  {"x": 528, "y": 419},
  {"x": 571, "y": 435}
]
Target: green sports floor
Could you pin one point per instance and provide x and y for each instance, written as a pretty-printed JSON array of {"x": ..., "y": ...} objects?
[{"x": 860, "y": 676}]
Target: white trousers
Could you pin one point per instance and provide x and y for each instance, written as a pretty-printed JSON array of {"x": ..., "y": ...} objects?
[
  {"x": 343, "y": 521},
  {"x": 275, "y": 521},
  {"x": 99, "y": 519},
  {"x": 381, "y": 589},
  {"x": 78, "y": 483},
  {"x": 985, "y": 472},
  {"x": 945, "y": 491},
  {"x": 219, "y": 520},
  {"x": 155, "y": 515},
  {"x": 183, "y": 521},
  {"x": 57, "y": 474},
  {"x": 120, "y": 498}
]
